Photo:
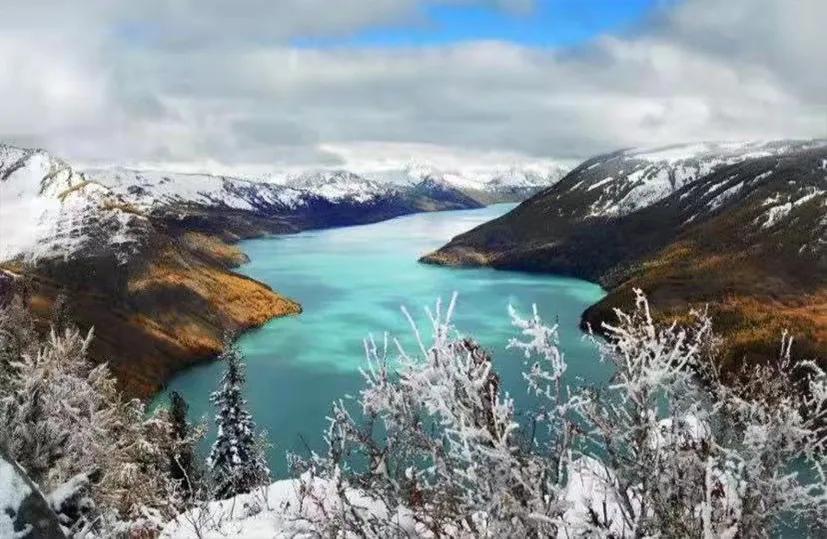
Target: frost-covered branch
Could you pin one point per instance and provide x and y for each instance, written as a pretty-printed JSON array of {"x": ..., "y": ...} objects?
[{"x": 432, "y": 446}]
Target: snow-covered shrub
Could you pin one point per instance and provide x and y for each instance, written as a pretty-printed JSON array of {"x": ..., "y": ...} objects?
[
  {"x": 17, "y": 335},
  {"x": 69, "y": 427},
  {"x": 433, "y": 447},
  {"x": 648, "y": 430},
  {"x": 773, "y": 454},
  {"x": 685, "y": 454},
  {"x": 436, "y": 447}
]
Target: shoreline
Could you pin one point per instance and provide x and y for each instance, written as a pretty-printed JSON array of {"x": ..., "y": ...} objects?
[
  {"x": 167, "y": 310},
  {"x": 750, "y": 324}
]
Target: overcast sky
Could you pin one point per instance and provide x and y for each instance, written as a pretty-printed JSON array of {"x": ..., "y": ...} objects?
[{"x": 252, "y": 83}]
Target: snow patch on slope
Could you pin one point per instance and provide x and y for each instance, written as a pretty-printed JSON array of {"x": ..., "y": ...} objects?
[
  {"x": 50, "y": 210},
  {"x": 627, "y": 181}
]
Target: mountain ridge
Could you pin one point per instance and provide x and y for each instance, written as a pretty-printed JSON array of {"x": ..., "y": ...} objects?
[
  {"x": 742, "y": 229},
  {"x": 147, "y": 257}
]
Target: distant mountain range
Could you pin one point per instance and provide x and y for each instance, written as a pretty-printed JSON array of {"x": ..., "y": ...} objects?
[
  {"x": 51, "y": 209},
  {"x": 742, "y": 227},
  {"x": 146, "y": 257}
]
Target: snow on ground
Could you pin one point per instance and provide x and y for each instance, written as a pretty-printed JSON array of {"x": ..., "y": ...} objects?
[
  {"x": 278, "y": 510},
  {"x": 716, "y": 150},
  {"x": 270, "y": 512},
  {"x": 590, "y": 487},
  {"x": 673, "y": 154},
  {"x": 778, "y": 210},
  {"x": 724, "y": 195},
  {"x": 13, "y": 490}
]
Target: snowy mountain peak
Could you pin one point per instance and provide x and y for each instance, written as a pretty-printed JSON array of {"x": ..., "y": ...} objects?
[
  {"x": 337, "y": 185},
  {"x": 620, "y": 183},
  {"x": 51, "y": 210}
]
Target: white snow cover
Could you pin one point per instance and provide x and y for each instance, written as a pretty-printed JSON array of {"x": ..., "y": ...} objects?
[
  {"x": 153, "y": 189},
  {"x": 778, "y": 210},
  {"x": 683, "y": 152},
  {"x": 366, "y": 179},
  {"x": 589, "y": 487},
  {"x": 47, "y": 209},
  {"x": 337, "y": 185},
  {"x": 490, "y": 178},
  {"x": 13, "y": 490},
  {"x": 274, "y": 511},
  {"x": 724, "y": 195},
  {"x": 649, "y": 175}
]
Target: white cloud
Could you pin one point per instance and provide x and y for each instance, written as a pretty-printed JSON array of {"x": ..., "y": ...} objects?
[{"x": 218, "y": 83}]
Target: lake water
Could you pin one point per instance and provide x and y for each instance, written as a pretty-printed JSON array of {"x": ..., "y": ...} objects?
[{"x": 352, "y": 281}]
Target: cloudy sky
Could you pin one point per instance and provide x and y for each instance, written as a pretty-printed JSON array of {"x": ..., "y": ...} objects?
[{"x": 269, "y": 83}]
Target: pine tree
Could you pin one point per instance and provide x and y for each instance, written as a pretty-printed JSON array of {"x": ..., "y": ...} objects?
[
  {"x": 61, "y": 313},
  {"x": 236, "y": 460},
  {"x": 182, "y": 463}
]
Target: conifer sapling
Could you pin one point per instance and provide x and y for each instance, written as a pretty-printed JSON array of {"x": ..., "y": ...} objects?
[{"x": 236, "y": 461}]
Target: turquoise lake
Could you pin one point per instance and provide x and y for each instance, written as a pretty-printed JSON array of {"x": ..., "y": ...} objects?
[{"x": 352, "y": 281}]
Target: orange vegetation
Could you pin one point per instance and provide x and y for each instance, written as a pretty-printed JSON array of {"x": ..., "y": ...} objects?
[{"x": 173, "y": 311}]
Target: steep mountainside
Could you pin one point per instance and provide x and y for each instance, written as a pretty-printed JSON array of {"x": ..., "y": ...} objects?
[
  {"x": 488, "y": 185},
  {"x": 742, "y": 227},
  {"x": 146, "y": 257}
]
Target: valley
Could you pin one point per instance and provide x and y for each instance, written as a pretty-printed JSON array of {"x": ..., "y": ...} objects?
[
  {"x": 148, "y": 258},
  {"x": 351, "y": 283}
]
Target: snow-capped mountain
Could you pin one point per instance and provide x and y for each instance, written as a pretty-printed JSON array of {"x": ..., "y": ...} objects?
[
  {"x": 620, "y": 183},
  {"x": 51, "y": 210},
  {"x": 337, "y": 185},
  {"x": 743, "y": 226},
  {"x": 497, "y": 184},
  {"x": 157, "y": 190},
  {"x": 680, "y": 186}
]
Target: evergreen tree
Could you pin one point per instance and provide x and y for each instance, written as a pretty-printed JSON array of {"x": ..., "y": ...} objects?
[
  {"x": 18, "y": 335},
  {"x": 61, "y": 313},
  {"x": 236, "y": 462},
  {"x": 182, "y": 463}
]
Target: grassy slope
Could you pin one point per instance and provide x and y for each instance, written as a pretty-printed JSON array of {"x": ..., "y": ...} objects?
[{"x": 171, "y": 311}]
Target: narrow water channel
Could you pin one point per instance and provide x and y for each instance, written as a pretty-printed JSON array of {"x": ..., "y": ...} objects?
[{"x": 352, "y": 281}]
